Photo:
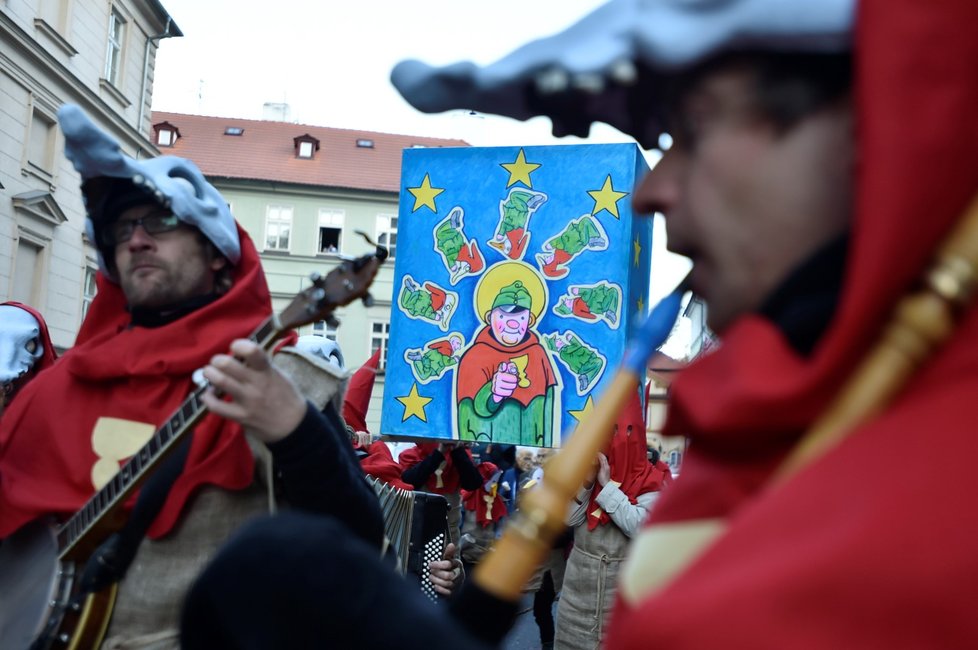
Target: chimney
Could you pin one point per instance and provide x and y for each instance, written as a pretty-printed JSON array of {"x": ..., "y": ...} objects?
[{"x": 276, "y": 112}]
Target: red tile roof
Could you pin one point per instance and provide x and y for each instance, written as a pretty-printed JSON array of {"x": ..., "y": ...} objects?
[{"x": 265, "y": 150}]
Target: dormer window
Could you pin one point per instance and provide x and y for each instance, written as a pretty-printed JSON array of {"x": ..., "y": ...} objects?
[
  {"x": 166, "y": 134},
  {"x": 233, "y": 130},
  {"x": 364, "y": 143},
  {"x": 306, "y": 146}
]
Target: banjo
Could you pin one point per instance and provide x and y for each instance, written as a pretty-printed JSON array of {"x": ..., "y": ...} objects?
[{"x": 41, "y": 603}]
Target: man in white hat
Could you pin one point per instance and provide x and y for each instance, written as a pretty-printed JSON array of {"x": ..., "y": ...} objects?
[{"x": 796, "y": 182}]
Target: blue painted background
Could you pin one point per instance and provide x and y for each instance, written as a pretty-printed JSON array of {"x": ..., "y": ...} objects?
[{"x": 472, "y": 177}]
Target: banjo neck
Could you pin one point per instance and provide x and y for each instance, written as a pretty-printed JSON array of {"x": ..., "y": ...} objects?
[{"x": 84, "y": 530}]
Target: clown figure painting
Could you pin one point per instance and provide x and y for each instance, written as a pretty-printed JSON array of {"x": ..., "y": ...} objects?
[
  {"x": 513, "y": 301},
  {"x": 507, "y": 388}
]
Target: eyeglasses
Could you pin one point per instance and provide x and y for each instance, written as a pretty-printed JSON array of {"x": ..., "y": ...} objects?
[{"x": 119, "y": 232}]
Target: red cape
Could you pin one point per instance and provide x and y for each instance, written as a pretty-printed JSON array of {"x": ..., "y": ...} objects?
[
  {"x": 873, "y": 545},
  {"x": 356, "y": 401},
  {"x": 475, "y": 500},
  {"x": 450, "y": 481},
  {"x": 627, "y": 454},
  {"x": 137, "y": 374},
  {"x": 380, "y": 463}
]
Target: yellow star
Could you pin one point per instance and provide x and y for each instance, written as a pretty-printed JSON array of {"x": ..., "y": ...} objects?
[
  {"x": 519, "y": 170},
  {"x": 641, "y": 305},
  {"x": 584, "y": 412},
  {"x": 606, "y": 198},
  {"x": 638, "y": 250},
  {"x": 425, "y": 195},
  {"x": 414, "y": 404}
]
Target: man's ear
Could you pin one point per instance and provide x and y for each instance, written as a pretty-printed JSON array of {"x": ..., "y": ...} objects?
[
  {"x": 533, "y": 319},
  {"x": 218, "y": 263}
]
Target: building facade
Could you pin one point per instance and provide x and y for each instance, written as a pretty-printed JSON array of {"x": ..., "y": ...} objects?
[
  {"x": 101, "y": 56},
  {"x": 302, "y": 193}
]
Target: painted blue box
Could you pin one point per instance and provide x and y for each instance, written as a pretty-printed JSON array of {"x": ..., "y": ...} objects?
[{"x": 517, "y": 276}]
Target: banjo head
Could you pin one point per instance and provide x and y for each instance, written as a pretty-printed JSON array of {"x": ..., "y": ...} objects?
[{"x": 30, "y": 574}]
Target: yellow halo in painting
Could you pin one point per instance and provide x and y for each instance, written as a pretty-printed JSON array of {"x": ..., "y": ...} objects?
[{"x": 504, "y": 274}]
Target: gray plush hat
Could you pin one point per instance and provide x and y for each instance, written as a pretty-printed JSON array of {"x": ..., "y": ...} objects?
[
  {"x": 323, "y": 348},
  {"x": 113, "y": 181},
  {"x": 605, "y": 67}
]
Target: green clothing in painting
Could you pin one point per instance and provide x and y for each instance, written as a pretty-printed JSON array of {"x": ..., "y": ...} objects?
[
  {"x": 577, "y": 236},
  {"x": 449, "y": 241},
  {"x": 434, "y": 361},
  {"x": 580, "y": 359},
  {"x": 516, "y": 210},
  {"x": 417, "y": 303},
  {"x": 600, "y": 299},
  {"x": 591, "y": 302}
]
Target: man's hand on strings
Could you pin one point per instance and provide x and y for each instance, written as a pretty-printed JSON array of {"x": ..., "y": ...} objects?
[{"x": 255, "y": 393}]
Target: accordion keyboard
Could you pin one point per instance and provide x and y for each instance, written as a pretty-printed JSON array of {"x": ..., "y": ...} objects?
[{"x": 416, "y": 528}]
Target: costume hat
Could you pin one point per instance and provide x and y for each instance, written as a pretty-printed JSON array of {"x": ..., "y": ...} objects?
[
  {"x": 113, "y": 181},
  {"x": 608, "y": 67},
  {"x": 514, "y": 294}
]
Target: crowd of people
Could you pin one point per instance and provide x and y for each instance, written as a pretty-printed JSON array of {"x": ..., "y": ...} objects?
[
  {"x": 285, "y": 431},
  {"x": 819, "y": 159}
]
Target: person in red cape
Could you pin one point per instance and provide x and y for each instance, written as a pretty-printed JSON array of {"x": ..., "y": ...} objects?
[
  {"x": 375, "y": 456},
  {"x": 356, "y": 400},
  {"x": 178, "y": 280},
  {"x": 794, "y": 183},
  {"x": 25, "y": 348},
  {"x": 608, "y": 514},
  {"x": 441, "y": 468},
  {"x": 485, "y": 502}
]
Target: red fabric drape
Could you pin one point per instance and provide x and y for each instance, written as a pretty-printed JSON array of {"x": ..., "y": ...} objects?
[
  {"x": 627, "y": 454},
  {"x": 47, "y": 438},
  {"x": 475, "y": 500},
  {"x": 356, "y": 401},
  {"x": 870, "y": 546}
]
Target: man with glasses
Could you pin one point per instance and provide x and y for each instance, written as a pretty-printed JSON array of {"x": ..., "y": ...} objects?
[{"x": 179, "y": 279}]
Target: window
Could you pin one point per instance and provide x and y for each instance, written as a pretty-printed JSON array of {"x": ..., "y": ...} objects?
[
  {"x": 53, "y": 20},
  {"x": 40, "y": 146},
  {"x": 55, "y": 13},
  {"x": 305, "y": 146},
  {"x": 322, "y": 328},
  {"x": 330, "y": 230},
  {"x": 379, "y": 334},
  {"x": 387, "y": 232},
  {"x": 28, "y": 272},
  {"x": 113, "y": 51},
  {"x": 88, "y": 290},
  {"x": 166, "y": 134},
  {"x": 233, "y": 130},
  {"x": 278, "y": 228},
  {"x": 364, "y": 143}
]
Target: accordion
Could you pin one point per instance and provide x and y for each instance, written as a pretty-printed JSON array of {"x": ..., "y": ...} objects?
[{"x": 416, "y": 528}]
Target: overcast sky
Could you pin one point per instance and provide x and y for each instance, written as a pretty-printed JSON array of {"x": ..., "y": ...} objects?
[{"x": 331, "y": 62}]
